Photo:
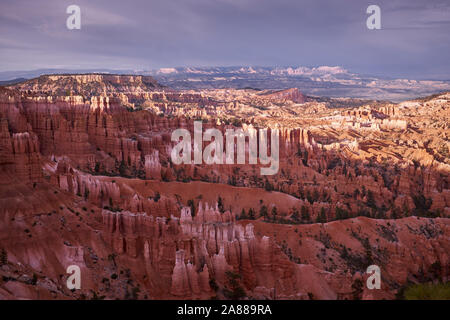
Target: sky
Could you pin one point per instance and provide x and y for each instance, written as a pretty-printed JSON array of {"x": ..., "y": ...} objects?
[{"x": 413, "y": 41}]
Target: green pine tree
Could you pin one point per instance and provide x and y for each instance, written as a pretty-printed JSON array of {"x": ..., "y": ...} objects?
[{"x": 3, "y": 257}]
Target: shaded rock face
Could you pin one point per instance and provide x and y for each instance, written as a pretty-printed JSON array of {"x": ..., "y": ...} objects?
[
  {"x": 205, "y": 248},
  {"x": 88, "y": 180},
  {"x": 293, "y": 95},
  {"x": 187, "y": 257},
  {"x": 208, "y": 249},
  {"x": 20, "y": 154}
]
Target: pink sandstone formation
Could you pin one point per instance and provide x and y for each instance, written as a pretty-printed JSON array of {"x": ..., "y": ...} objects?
[{"x": 86, "y": 178}]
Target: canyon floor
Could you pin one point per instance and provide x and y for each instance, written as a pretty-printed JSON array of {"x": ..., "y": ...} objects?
[{"x": 87, "y": 179}]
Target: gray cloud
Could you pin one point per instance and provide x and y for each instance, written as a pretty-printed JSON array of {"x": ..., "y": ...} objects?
[{"x": 151, "y": 34}]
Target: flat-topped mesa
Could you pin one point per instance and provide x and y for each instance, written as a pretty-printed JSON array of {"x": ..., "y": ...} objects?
[
  {"x": 98, "y": 77},
  {"x": 88, "y": 84},
  {"x": 66, "y": 103}
]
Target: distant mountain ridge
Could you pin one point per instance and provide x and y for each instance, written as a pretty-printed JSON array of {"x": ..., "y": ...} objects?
[
  {"x": 11, "y": 82},
  {"x": 324, "y": 81}
]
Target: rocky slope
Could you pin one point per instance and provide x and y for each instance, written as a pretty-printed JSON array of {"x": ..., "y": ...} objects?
[{"x": 87, "y": 179}]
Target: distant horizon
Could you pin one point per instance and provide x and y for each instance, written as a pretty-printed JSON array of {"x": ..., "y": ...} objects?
[
  {"x": 321, "y": 81},
  {"x": 137, "y": 71}
]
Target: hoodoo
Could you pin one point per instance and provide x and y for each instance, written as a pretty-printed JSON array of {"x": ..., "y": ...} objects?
[{"x": 115, "y": 175}]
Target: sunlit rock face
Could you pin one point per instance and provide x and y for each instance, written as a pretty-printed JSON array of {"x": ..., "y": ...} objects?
[{"x": 86, "y": 178}]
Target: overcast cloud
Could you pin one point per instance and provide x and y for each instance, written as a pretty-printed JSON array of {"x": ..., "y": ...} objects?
[{"x": 147, "y": 34}]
